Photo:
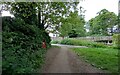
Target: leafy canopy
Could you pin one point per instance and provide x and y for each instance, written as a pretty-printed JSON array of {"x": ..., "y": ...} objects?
[
  {"x": 103, "y": 21},
  {"x": 73, "y": 25}
]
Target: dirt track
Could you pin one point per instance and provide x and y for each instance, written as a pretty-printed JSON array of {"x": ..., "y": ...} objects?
[{"x": 63, "y": 60}]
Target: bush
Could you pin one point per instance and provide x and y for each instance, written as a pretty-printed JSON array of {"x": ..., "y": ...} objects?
[
  {"x": 66, "y": 41},
  {"x": 55, "y": 42},
  {"x": 22, "y": 50},
  {"x": 116, "y": 40},
  {"x": 82, "y": 43}
]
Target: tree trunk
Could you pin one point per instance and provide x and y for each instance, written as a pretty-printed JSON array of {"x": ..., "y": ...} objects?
[{"x": 40, "y": 25}]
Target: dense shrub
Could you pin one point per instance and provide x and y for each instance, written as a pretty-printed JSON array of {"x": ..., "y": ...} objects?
[
  {"x": 55, "y": 42},
  {"x": 82, "y": 43},
  {"x": 22, "y": 46},
  {"x": 67, "y": 41},
  {"x": 116, "y": 40}
]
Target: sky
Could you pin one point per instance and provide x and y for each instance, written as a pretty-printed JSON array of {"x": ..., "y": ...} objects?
[
  {"x": 92, "y": 7},
  {"x": 6, "y": 13}
]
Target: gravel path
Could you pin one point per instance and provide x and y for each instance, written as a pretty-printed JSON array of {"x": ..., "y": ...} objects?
[{"x": 63, "y": 60}]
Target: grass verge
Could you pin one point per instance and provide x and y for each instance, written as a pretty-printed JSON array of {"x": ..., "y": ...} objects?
[
  {"x": 103, "y": 58},
  {"x": 83, "y": 43},
  {"x": 56, "y": 47},
  {"x": 55, "y": 42}
]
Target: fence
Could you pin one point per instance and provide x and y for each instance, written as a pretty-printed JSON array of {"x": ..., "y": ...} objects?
[{"x": 97, "y": 38}]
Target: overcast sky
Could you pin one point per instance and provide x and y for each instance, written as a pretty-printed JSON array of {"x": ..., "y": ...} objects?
[{"x": 94, "y": 6}]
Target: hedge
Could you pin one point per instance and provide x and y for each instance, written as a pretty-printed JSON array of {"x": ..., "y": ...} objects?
[
  {"x": 22, "y": 50},
  {"x": 55, "y": 42}
]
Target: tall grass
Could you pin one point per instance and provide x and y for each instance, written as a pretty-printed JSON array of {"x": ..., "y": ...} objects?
[
  {"x": 83, "y": 43},
  {"x": 55, "y": 42}
]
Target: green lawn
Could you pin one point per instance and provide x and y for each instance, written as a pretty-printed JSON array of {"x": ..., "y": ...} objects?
[{"x": 104, "y": 58}]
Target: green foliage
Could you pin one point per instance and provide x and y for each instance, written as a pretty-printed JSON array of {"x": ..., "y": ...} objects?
[
  {"x": 66, "y": 41},
  {"x": 72, "y": 34},
  {"x": 103, "y": 58},
  {"x": 23, "y": 34},
  {"x": 116, "y": 40},
  {"x": 55, "y": 42},
  {"x": 73, "y": 25},
  {"x": 102, "y": 21},
  {"x": 82, "y": 43},
  {"x": 41, "y": 13},
  {"x": 25, "y": 10},
  {"x": 22, "y": 50}
]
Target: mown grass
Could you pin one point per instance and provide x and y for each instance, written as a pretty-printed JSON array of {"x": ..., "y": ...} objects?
[{"x": 104, "y": 58}]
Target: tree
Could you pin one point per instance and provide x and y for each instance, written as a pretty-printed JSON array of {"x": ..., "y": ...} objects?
[
  {"x": 47, "y": 14},
  {"x": 101, "y": 23},
  {"x": 73, "y": 26}
]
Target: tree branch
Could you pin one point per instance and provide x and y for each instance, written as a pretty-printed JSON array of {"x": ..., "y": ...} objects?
[{"x": 47, "y": 26}]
